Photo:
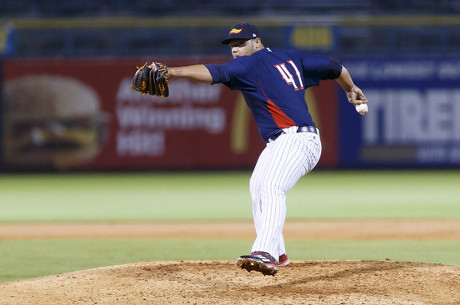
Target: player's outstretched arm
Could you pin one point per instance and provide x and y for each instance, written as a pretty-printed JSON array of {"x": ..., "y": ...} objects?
[
  {"x": 195, "y": 72},
  {"x": 354, "y": 94}
]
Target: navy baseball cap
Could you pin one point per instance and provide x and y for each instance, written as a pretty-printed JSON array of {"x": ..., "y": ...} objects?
[{"x": 242, "y": 31}]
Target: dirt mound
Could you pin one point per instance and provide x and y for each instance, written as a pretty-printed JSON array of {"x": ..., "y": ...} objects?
[{"x": 221, "y": 282}]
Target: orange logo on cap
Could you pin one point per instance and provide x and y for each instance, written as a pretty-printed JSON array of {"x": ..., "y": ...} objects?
[{"x": 235, "y": 31}]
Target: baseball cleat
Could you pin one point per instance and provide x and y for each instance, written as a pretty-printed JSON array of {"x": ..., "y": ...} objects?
[
  {"x": 258, "y": 261},
  {"x": 283, "y": 260}
]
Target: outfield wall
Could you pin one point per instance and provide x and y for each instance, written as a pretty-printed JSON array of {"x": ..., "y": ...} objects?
[{"x": 80, "y": 114}]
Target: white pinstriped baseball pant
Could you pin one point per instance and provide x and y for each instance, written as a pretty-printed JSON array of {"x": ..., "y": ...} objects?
[{"x": 280, "y": 165}]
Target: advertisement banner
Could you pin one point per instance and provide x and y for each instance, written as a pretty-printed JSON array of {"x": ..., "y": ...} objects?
[
  {"x": 414, "y": 111},
  {"x": 80, "y": 114}
]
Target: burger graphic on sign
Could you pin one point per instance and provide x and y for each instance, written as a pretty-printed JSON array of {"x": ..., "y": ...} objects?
[{"x": 50, "y": 122}]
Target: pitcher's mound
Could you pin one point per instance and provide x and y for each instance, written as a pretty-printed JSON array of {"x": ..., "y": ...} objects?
[{"x": 221, "y": 282}]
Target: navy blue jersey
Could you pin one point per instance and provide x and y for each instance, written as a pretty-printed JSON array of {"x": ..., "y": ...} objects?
[{"x": 273, "y": 84}]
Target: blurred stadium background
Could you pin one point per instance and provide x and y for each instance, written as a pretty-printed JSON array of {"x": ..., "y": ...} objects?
[{"x": 405, "y": 54}]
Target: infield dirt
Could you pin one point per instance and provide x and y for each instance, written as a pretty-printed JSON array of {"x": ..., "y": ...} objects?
[{"x": 221, "y": 282}]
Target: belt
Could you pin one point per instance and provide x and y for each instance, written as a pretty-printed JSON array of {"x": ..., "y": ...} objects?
[{"x": 300, "y": 129}]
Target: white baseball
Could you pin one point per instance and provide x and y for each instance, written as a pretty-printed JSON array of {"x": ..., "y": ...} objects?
[{"x": 362, "y": 109}]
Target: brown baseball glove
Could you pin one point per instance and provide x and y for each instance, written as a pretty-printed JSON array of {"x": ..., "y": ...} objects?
[{"x": 151, "y": 79}]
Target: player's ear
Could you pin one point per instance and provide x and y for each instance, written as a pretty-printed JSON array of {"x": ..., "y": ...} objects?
[{"x": 258, "y": 42}]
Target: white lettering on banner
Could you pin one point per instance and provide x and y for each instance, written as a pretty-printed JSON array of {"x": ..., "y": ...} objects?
[
  {"x": 185, "y": 118},
  {"x": 439, "y": 154},
  {"x": 432, "y": 154},
  {"x": 139, "y": 143},
  {"x": 410, "y": 70},
  {"x": 410, "y": 116},
  {"x": 439, "y": 109},
  {"x": 406, "y": 70},
  {"x": 144, "y": 119}
]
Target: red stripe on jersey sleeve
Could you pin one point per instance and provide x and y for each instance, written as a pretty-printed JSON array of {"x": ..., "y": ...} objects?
[{"x": 280, "y": 118}]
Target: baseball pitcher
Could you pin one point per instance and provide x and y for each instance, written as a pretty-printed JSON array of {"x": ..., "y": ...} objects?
[{"x": 273, "y": 83}]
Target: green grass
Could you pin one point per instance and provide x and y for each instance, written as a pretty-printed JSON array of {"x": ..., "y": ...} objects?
[
  {"x": 123, "y": 197},
  {"x": 225, "y": 196},
  {"x": 217, "y": 196},
  {"x": 377, "y": 194},
  {"x": 33, "y": 258}
]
